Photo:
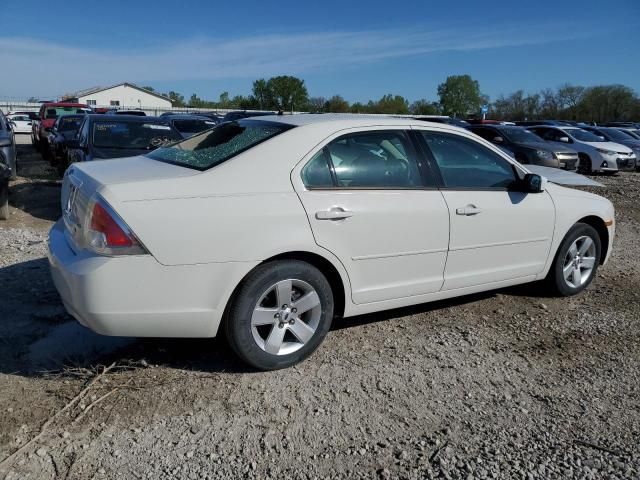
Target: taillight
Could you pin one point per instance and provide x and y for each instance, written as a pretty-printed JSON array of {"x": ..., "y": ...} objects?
[{"x": 107, "y": 234}]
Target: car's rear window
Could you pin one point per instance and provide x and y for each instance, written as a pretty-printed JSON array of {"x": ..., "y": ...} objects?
[
  {"x": 212, "y": 147},
  {"x": 68, "y": 124},
  {"x": 55, "y": 112},
  {"x": 132, "y": 135},
  {"x": 193, "y": 125}
]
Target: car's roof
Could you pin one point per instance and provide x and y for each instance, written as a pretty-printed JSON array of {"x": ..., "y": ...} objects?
[
  {"x": 128, "y": 118},
  {"x": 302, "y": 119},
  {"x": 185, "y": 116},
  {"x": 65, "y": 104}
]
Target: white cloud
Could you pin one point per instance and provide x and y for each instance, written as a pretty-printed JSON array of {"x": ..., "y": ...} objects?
[{"x": 36, "y": 67}]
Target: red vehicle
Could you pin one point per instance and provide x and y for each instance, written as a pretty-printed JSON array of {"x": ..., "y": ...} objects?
[{"x": 47, "y": 116}]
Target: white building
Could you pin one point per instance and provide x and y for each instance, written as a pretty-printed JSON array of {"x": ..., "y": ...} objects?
[{"x": 123, "y": 95}]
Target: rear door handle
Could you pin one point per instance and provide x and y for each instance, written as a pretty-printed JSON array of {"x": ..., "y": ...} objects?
[
  {"x": 335, "y": 213},
  {"x": 468, "y": 210}
]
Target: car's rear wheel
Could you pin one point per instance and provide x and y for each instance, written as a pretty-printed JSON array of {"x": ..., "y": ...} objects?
[
  {"x": 576, "y": 261},
  {"x": 4, "y": 199},
  {"x": 280, "y": 314}
]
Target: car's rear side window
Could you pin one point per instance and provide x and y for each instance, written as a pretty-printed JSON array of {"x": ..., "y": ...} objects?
[
  {"x": 373, "y": 159},
  {"x": 212, "y": 147}
]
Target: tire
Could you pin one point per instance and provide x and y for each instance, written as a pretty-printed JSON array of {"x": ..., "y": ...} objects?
[
  {"x": 586, "y": 241},
  {"x": 4, "y": 199},
  {"x": 585, "y": 166},
  {"x": 263, "y": 333}
]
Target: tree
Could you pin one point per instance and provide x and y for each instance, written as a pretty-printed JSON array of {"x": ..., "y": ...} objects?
[
  {"x": 459, "y": 95},
  {"x": 316, "y": 104},
  {"x": 358, "y": 107},
  {"x": 176, "y": 99},
  {"x": 224, "y": 101},
  {"x": 262, "y": 94},
  {"x": 604, "y": 103},
  {"x": 32, "y": 100},
  {"x": 289, "y": 93},
  {"x": 549, "y": 106},
  {"x": 196, "y": 102},
  {"x": 150, "y": 89},
  {"x": 424, "y": 107},
  {"x": 336, "y": 104},
  {"x": 389, "y": 104}
]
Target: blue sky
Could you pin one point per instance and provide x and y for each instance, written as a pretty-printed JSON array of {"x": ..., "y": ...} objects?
[{"x": 361, "y": 50}]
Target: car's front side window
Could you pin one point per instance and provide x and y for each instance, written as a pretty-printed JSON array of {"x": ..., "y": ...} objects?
[
  {"x": 466, "y": 164},
  {"x": 372, "y": 159}
]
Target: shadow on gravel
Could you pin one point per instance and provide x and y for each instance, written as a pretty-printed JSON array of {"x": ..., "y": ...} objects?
[
  {"x": 38, "y": 336},
  {"x": 39, "y": 199}
]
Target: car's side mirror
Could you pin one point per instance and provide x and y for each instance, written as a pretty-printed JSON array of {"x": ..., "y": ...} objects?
[
  {"x": 497, "y": 140},
  {"x": 533, "y": 183},
  {"x": 564, "y": 139}
]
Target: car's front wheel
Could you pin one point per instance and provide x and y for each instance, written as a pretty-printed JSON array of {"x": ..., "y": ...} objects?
[
  {"x": 576, "y": 261},
  {"x": 280, "y": 314}
]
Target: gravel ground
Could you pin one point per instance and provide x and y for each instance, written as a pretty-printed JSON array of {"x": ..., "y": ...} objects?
[{"x": 507, "y": 384}]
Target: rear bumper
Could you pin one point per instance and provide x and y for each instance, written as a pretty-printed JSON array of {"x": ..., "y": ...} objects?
[{"x": 137, "y": 296}]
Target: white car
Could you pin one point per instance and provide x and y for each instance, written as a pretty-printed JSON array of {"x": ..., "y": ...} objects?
[
  {"x": 20, "y": 123},
  {"x": 268, "y": 228},
  {"x": 595, "y": 154}
]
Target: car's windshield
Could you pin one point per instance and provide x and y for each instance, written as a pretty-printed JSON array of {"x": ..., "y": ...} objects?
[
  {"x": 635, "y": 134},
  {"x": 617, "y": 135},
  {"x": 55, "y": 112},
  {"x": 520, "y": 135},
  {"x": 583, "y": 135},
  {"x": 193, "y": 126},
  {"x": 132, "y": 135},
  {"x": 212, "y": 147}
]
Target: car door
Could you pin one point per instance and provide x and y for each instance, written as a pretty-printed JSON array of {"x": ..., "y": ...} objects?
[
  {"x": 370, "y": 203},
  {"x": 497, "y": 232}
]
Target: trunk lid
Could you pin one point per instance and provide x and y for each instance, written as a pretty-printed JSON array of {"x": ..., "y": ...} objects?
[{"x": 83, "y": 180}]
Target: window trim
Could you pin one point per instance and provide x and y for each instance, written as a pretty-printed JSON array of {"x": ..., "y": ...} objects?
[
  {"x": 435, "y": 166},
  {"x": 421, "y": 161}
]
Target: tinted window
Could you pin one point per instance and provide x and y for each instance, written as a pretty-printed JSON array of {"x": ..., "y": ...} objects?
[
  {"x": 191, "y": 126},
  {"x": 222, "y": 142},
  {"x": 617, "y": 135},
  {"x": 68, "y": 124},
  {"x": 465, "y": 163},
  {"x": 380, "y": 159},
  {"x": 520, "y": 135},
  {"x": 316, "y": 173},
  {"x": 134, "y": 135},
  {"x": 486, "y": 133},
  {"x": 583, "y": 135}
]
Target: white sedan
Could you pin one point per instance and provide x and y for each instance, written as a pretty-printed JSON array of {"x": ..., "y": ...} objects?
[
  {"x": 267, "y": 229},
  {"x": 20, "y": 123},
  {"x": 595, "y": 154}
]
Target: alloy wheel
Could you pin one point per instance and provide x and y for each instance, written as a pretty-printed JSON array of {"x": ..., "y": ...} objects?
[
  {"x": 286, "y": 317},
  {"x": 579, "y": 262}
]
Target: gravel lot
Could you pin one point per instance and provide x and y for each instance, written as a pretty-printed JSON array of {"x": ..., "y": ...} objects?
[{"x": 507, "y": 384}]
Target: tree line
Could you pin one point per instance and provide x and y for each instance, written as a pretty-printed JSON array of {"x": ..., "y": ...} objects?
[{"x": 458, "y": 96}]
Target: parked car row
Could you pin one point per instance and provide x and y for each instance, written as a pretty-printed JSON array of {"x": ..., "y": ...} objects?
[{"x": 561, "y": 144}]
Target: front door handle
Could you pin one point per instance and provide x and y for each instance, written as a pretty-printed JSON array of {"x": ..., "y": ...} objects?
[
  {"x": 468, "y": 210},
  {"x": 335, "y": 213}
]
